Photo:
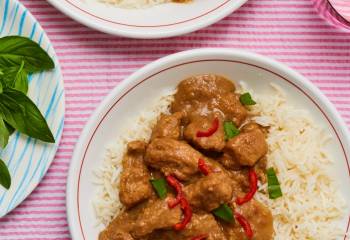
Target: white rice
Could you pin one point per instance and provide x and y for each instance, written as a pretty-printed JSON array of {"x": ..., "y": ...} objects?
[
  {"x": 311, "y": 206},
  {"x": 134, "y": 3}
]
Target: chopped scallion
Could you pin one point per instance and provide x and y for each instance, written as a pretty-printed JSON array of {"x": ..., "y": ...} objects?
[
  {"x": 224, "y": 212},
  {"x": 230, "y": 130},
  {"x": 160, "y": 186},
  {"x": 273, "y": 187},
  {"x": 246, "y": 99}
]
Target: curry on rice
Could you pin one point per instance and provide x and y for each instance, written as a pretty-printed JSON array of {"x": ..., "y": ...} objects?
[{"x": 197, "y": 176}]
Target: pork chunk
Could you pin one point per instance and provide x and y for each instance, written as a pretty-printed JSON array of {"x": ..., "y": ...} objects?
[
  {"x": 247, "y": 148},
  {"x": 134, "y": 181},
  {"x": 201, "y": 223},
  {"x": 210, "y": 192},
  {"x": 215, "y": 142},
  {"x": 173, "y": 157},
  {"x": 260, "y": 219},
  {"x": 142, "y": 220},
  {"x": 168, "y": 126},
  {"x": 156, "y": 215},
  {"x": 229, "y": 104},
  {"x": 203, "y": 94}
]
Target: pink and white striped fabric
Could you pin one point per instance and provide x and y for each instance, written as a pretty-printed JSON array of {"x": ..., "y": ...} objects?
[{"x": 93, "y": 63}]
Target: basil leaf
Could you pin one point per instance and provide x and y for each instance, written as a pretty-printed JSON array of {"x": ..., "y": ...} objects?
[
  {"x": 4, "y": 134},
  {"x": 5, "y": 177},
  {"x": 9, "y": 128},
  {"x": 246, "y": 99},
  {"x": 21, "y": 80},
  {"x": 273, "y": 185},
  {"x": 1, "y": 87},
  {"x": 15, "y": 49},
  {"x": 16, "y": 77},
  {"x": 22, "y": 114},
  {"x": 160, "y": 186},
  {"x": 224, "y": 212},
  {"x": 230, "y": 130}
]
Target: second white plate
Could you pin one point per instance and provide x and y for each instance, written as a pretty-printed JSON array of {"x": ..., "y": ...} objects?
[{"x": 164, "y": 20}]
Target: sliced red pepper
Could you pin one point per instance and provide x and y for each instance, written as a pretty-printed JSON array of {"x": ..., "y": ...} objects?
[
  {"x": 200, "y": 237},
  {"x": 245, "y": 225},
  {"x": 203, "y": 167},
  {"x": 172, "y": 181},
  {"x": 187, "y": 211},
  {"x": 211, "y": 130},
  {"x": 253, "y": 181}
]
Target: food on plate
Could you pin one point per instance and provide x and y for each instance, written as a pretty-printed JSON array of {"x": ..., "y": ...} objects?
[
  {"x": 20, "y": 56},
  {"x": 214, "y": 165},
  {"x": 140, "y": 3}
]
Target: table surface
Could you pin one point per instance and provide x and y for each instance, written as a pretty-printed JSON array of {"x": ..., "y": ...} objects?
[{"x": 93, "y": 63}]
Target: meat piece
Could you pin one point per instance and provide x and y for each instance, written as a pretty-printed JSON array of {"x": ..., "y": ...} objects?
[
  {"x": 134, "y": 181},
  {"x": 210, "y": 192},
  {"x": 229, "y": 104},
  {"x": 247, "y": 148},
  {"x": 116, "y": 236},
  {"x": 168, "y": 126},
  {"x": 142, "y": 220},
  {"x": 259, "y": 218},
  {"x": 229, "y": 162},
  {"x": 201, "y": 223},
  {"x": 200, "y": 88},
  {"x": 215, "y": 142},
  {"x": 204, "y": 94},
  {"x": 173, "y": 157},
  {"x": 120, "y": 227},
  {"x": 156, "y": 215}
]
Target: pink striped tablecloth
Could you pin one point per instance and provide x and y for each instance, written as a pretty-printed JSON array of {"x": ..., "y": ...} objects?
[{"x": 93, "y": 63}]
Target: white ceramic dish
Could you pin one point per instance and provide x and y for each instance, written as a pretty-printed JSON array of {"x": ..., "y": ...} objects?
[
  {"x": 29, "y": 159},
  {"x": 165, "y": 20},
  {"x": 140, "y": 89}
]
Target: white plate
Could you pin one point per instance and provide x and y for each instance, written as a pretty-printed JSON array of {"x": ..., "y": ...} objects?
[
  {"x": 165, "y": 20},
  {"x": 143, "y": 87},
  {"x": 28, "y": 159}
]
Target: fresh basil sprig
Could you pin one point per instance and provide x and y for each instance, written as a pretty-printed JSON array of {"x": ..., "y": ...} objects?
[
  {"x": 15, "y": 49},
  {"x": 20, "y": 56}
]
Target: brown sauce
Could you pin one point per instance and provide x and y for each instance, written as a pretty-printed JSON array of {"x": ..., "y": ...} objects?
[{"x": 174, "y": 149}]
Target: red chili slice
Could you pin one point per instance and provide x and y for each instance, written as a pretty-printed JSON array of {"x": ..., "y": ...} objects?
[
  {"x": 211, "y": 130},
  {"x": 203, "y": 167},
  {"x": 200, "y": 237},
  {"x": 253, "y": 181},
  {"x": 245, "y": 225},
  {"x": 187, "y": 211},
  {"x": 172, "y": 181}
]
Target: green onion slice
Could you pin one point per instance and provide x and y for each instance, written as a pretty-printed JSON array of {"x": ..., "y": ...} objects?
[
  {"x": 246, "y": 99},
  {"x": 273, "y": 185},
  {"x": 224, "y": 212},
  {"x": 230, "y": 130},
  {"x": 160, "y": 186}
]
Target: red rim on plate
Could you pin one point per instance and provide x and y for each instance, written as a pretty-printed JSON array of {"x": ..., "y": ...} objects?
[{"x": 206, "y": 60}]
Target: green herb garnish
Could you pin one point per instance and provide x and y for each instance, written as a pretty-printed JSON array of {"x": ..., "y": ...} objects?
[
  {"x": 246, "y": 99},
  {"x": 224, "y": 212},
  {"x": 160, "y": 186},
  {"x": 273, "y": 184},
  {"x": 20, "y": 56},
  {"x": 5, "y": 178},
  {"x": 230, "y": 130}
]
